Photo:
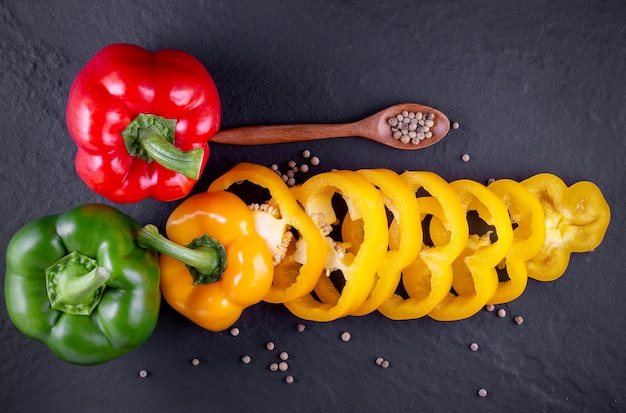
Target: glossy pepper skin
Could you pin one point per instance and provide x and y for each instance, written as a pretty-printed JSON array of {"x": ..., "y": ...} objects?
[
  {"x": 80, "y": 284},
  {"x": 245, "y": 278},
  {"x": 141, "y": 122}
]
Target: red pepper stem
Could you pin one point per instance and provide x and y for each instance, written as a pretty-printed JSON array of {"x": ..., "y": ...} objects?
[
  {"x": 151, "y": 138},
  {"x": 204, "y": 257},
  {"x": 169, "y": 156},
  {"x": 75, "y": 284}
]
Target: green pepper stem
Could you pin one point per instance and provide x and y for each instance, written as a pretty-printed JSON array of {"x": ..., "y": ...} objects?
[
  {"x": 205, "y": 257},
  {"x": 75, "y": 284},
  {"x": 169, "y": 156},
  {"x": 152, "y": 137}
]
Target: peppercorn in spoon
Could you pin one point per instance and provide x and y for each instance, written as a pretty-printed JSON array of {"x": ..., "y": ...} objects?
[{"x": 403, "y": 126}]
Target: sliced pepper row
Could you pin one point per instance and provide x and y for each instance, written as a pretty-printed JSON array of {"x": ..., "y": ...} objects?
[{"x": 413, "y": 244}]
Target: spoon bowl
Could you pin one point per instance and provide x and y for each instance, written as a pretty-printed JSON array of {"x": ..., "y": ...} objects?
[{"x": 374, "y": 127}]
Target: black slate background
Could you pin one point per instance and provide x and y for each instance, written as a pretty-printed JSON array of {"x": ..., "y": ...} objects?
[{"x": 536, "y": 86}]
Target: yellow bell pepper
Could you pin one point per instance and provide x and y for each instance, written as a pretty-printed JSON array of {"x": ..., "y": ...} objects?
[
  {"x": 529, "y": 234},
  {"x": 405, "y": 229},
  {"x": 299, "y": 259},
  {"x": 576, "y": 219},
  {"x": 364, "y": 202},
  {"x": 428, "y": 279},
  {"x": 215, "y": 300},
  {"x": 475, "y": 279}
]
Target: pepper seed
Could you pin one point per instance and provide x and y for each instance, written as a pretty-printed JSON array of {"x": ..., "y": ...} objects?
[
  {"x": 379, "y": 361},
  {"x": 300, "y": 327},
  {"x": 306, "y": 153},
  {"x": 518, "y": 319},
  {"x": 269, "y": 345},
  {"x": 482, "y": 393},
  {"x": 246, "y": 359},
  {"x": 455, "y": 125},
  {"x": 284, "y": 356},
  {"x": 234, "y": 331},
  {"x": 345, "y": 336},
  {"x": 195, "y": 362},
  {"x": 465, "y": 157},
  {"x": 501, "y": 313},
  {"x": 289, "y": 379},
  {"x": 473, "y": 346},
  {"x": 490, "y": 307},
  {"x": 274, "y": 367},
  {"x": 384, "y": 364},
  {"x": 283, "y": 366},
  {"x": 315, "y": 161},
  {"x": 143, "y": 373}
]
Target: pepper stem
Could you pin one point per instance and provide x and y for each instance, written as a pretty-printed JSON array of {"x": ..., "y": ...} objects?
[
  {"x": 151, "y": 138},
  {"x": 204, "y": 257},
  {"x": 75, "y": 284}
]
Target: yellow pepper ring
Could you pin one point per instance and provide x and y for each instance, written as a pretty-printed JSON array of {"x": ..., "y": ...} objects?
[
  {"x": 529, "y": 235},
  {"x": 475, "y": 279},
  {"x": 291, "y": 280},
  {"x": 405, "y": 227},
  {"x": 429, "y": 278},
  {"x": 363, "y": 202},
  {"x": 576, "y": 219}
]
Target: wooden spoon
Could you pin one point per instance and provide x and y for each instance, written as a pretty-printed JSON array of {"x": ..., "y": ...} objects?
[{"x": 374, "y": 127}]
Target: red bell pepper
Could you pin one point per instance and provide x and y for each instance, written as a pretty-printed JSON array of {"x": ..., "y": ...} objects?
[{"x": 141, "y": 122}]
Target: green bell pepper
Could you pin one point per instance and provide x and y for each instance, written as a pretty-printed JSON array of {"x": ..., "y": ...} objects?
[{"x": 79, "y": 283}]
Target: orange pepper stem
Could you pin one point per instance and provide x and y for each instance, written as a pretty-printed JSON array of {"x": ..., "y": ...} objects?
[{"x": 204, "y": 257}]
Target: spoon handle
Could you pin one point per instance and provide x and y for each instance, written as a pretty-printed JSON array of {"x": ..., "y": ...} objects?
[{"x": 261, "y": 135}]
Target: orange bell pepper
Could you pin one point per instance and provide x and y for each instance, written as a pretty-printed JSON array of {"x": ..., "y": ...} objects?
[{"x": 225, "y": 266}]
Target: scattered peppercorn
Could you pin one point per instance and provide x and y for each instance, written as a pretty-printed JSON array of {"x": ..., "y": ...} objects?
[
  {"x": 482, "y": 393},
  {"x": 283, "y": 366},
  {"x": 465, "y": 157},
  {"x": 490, "y": 307},
  {"x": 300, "y": 327},
  {"x": 289, "y": 379},
  {"x": 384, "y": 364},
  {"x": 195, "y": 362},
  {"x": 345, "y": 336},
  {"x": 473, "y": 346},
  {"x": 234, "y": 331},
  {"x": 269, "y": 345},
  {"x": 501, "y": 313},
  {"x": 379, "y": 361},
  {"x": 455, "y": 125},
  {"x": 490, "y": 181},
  {"x": 518, "y": 319},
  {"x": 284, "y": 355},
  {"x": 274, "y": 367},
  {"x": 246, "y": 359},
  {"x": 143, "y": 373},
  {"x": 306, "y": 153},
  {"x": 315, "y": 161}
]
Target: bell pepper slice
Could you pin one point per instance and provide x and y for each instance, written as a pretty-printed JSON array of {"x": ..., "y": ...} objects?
[
  {"x": 141, "y": 122},
  {"x": 79, "y": 283},
  {"x": 405, "y": 230},
  {"x": 213, "y": 264},
  {"x": 529, "y": 234},
  {"x": 576, "y": 219},
  {"x": 358, "y": 269},
  {"x": 299, "y": 264},
  {"x": 475, "y": 279},
  {"x": 428, "y": 278}
]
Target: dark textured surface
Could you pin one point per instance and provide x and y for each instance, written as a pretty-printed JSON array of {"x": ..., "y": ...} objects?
[{"x": 536, "y": 87}]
